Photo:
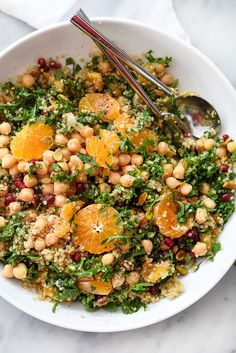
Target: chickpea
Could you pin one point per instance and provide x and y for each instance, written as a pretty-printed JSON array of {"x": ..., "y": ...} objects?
[
  {"x": 231, "y": 146},
  {"x": 23, "y": 167},
  {"x": 127, "y": 180},
  {"x": 77, "y": 136},
  {"x": 117, "y": 280},
  {"x": 221, "y": 152},
  {"x": 39, "y": 244},
  {"x": 8, "y": 271},
  {"x": 167, "y": 79},
  {"x": 73, "y": 145},
  {"x": 208, "y": 144},
  {"x": 60, "y": 188},
  {"x": 128, "y": 168},
  {"x": 20, "y": 271},
  {"x": 114, "y": 178},
  {"x": 132, "y": 278},
  {"x": 83, "y": 150},
  {"x": 209, "y": 203},
  {"x": 48, "y": 157},
  {"x": 63, "y": 166},
  {"x": 3, "y": 152},
  {"x": 201, "y": 215},
  {"x": 199, "y": 249},
  {"x": 5, "y": 128},
  {"x": 30, "y": 181},
  {"x": 51, "y": 239},
  {"x": 115, "y": 162},
  {"x": 45, "y": 180},
  {"x": 108, "y": 259},
  {"x": 144, "y": 176},
  {"x": 104, "y": 67},
  {"x": 4, "y": 140},
  {"x": 39, "y": 226},
  {"x": 172, "y": 182},
  {"x": 163, "y": 148},
  {"x": 3, "y": 189},
  {"x": 124, "y": 159},
  {"x": 148, "y": 246},
  {"x": 13, "y": 171},
  {"x": 86, "y": 131},
  {"x": 179, "y": 171},
  {"x": 105, "y": 187},
  {"x": 47, "y": 189},
  {"x": 60, "y": 200},
  {"x": 205, "y": 188},
  {"x": 14, "y": 207},
  {"x": 8, "y": 161},
  {"x": 60, "y": 139},
  {"x": 159, "y": 68},
  {"x": 168, "y": 170},
  {"x": 3, "y": 221},
  {"x": 26, "y": 194},
  {"x": 76, "y": 162},
  {"x": 136, "y": 159},
  {"x": 27, "y": 81},
  {"x": 42, "y": 168},
  {"x": 186, "y": 189},
  {"x": 66, "y": 153},
  {"x": 52, "y": 219},
  {"x": 82, "y": 178}
]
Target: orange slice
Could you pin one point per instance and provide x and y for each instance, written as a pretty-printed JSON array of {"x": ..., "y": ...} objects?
[
  {"x": 111, "y": 140},
  {"x": 96, "y": 149},
  {"x": 142, "y": 136},
  {"x": 100, "y": 103},
  {"x": 87, "y": 285},
  {"x": 95, "y": 223},
  {"x": 122, "y": 123},
  {"x": 61, "y": 228},
  {"x": 166, "y": 219},
  {"x": 32, "y": 141}
]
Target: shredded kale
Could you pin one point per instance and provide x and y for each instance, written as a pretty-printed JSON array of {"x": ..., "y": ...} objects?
[{"x": 152, "y": 59}]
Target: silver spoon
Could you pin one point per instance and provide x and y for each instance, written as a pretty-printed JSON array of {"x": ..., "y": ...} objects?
[{"x": 197, "y": 115}]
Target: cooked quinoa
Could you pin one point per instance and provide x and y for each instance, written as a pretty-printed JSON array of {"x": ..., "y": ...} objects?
[{"x": 100, "y": 203}]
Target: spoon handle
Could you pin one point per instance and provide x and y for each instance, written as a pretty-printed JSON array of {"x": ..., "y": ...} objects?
[
  {"x": 125, "y": 72},
  {"x": 86, "y": 27}
]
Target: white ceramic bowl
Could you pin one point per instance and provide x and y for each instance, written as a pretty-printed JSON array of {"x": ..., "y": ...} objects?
[{"x": 195, "y": 72}]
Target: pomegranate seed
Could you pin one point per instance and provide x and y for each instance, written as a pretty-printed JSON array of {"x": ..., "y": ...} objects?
[
  {"x": 224, "y": 168},
  {"x": 19, "y": 183},
  {"x": 191, "y": 253},
  {"x": 80, "y": 188},
  {"x": 197, "y": 118},
  {"x": 36, "y": 198},
  {"x": 42, "y": 62},
  {"x": 226, "y": 197},
  {"x": 49, "y": 198},
  {"x": 9, "y": 198},
  {"x": 57, "y": 66},
  {"x": 225, "y": 137},
  {"x": 54, "y": 64},
  {"x": 192, "y": 234},
  {"x": 33, "y": 161},
  {"x": 186, "y": 134},
  {"x": 180, "y": 239},
  {"x": 77, "y": 256},
  {"x": 121, "y": 203},
  {"x": 153, "y": 290},
  {"x": 46, "y": 68},
  {"x": 169, "y": 242}
]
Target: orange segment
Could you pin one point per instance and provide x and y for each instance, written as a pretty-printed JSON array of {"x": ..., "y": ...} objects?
[
  {"x": 98, "y": 103},
  {"x": 166, "y": 219},
  {"x": 111, "y": 140},
  {"x": 95, "y": 287},
  {"x": 122, "y": 123},
  {"x": 95, "y": 223},
  {"x": 32, "y": 141},
  {"x": 153, "y": 272},
  {"x": 142, "y": 136},
  {"x": 96, "y": 149},
  {"x": 68, "y": 211},
  {"x": 61, "y": 228}
]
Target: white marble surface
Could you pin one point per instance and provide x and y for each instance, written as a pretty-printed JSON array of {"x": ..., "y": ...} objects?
[{"x": 207, "y": 326}]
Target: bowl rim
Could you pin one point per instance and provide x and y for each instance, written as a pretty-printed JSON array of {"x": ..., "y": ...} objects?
[{"x": 150, "y": 320}]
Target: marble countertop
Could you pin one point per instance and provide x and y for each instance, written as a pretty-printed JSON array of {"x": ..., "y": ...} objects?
[{"x": 207, "y": 326}]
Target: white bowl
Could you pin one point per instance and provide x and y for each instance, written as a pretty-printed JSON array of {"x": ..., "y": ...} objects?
[{"x": 196, "y": 73}]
